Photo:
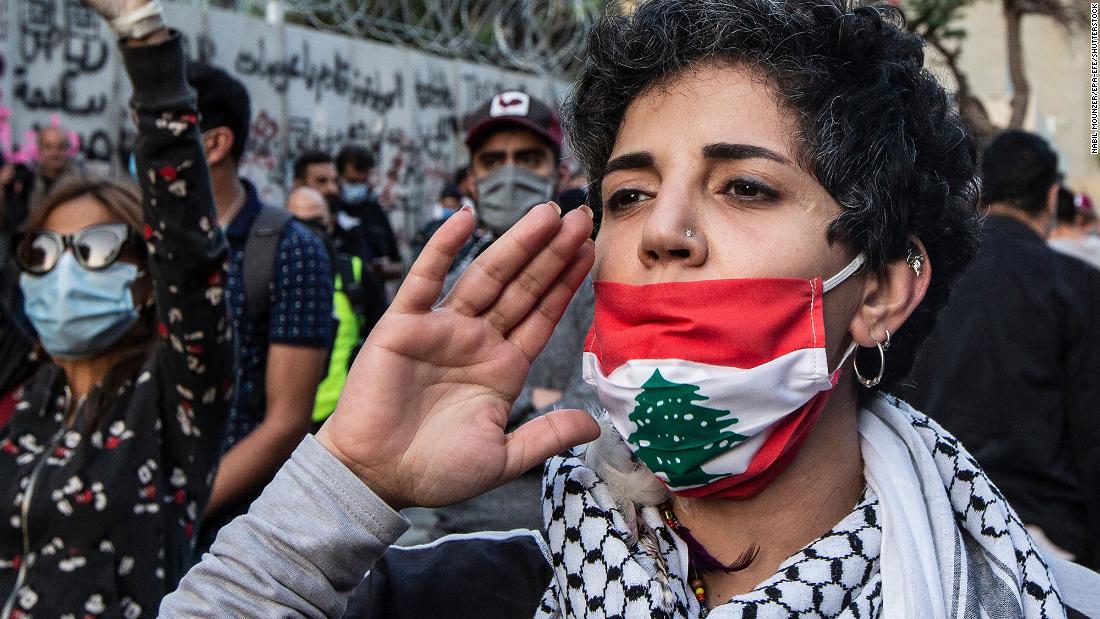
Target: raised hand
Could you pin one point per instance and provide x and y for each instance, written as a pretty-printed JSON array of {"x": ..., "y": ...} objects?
[{"x": 422, "y": 416}]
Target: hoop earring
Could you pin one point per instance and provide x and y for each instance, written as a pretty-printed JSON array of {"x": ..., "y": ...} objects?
[{"x": 882, "y": 347}]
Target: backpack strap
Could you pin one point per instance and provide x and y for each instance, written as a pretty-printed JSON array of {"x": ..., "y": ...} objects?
[{"x": 260, "y": 251}]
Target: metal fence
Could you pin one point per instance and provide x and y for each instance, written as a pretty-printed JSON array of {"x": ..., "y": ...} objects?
[{"x": 538, "y": 36}]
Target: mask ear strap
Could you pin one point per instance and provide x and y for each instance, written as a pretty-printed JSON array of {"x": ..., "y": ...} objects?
[
  {"x": 844, "y": 274},
  {"x": 848, "y": 353}
]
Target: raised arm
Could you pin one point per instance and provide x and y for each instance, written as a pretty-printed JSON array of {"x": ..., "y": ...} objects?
[{"x": 187, "y": 262}]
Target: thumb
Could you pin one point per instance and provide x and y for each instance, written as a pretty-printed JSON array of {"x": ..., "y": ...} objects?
[{"x": 535, "y": 441}]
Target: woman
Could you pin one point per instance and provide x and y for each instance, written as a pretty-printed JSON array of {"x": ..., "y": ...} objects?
[
  {"x": 107, "y": 461},
  {"x": 780, "y": 184}
]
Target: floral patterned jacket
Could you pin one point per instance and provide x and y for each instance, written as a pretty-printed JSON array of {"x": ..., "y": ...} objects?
[{"x": 97, "y": 522}]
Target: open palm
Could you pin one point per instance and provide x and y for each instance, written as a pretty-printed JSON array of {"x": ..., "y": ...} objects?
[{"x": 422, "y": 415}]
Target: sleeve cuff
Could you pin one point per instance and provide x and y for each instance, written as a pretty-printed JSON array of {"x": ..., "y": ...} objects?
[{"x": 319, "y": 465}]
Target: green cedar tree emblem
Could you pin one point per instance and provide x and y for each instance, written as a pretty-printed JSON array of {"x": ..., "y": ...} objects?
[{"x": 675, "y": 435}]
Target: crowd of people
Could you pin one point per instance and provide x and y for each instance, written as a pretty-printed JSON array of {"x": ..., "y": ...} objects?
[{"x": 819, "y": 354}]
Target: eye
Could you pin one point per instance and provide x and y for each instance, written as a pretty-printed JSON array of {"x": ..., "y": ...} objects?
[
  {"x": 530, "y": 160},
  {"x": 750, "y": 189},
  {"x": 624, "y": 199}
]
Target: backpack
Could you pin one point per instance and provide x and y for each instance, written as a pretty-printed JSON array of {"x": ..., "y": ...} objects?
[{"x": 260, "y": 251}]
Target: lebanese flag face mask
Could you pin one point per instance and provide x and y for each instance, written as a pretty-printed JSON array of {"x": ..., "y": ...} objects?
[{"x": 714, "y": 384}]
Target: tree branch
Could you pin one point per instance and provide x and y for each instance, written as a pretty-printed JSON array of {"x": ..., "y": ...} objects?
[{"x": 1021, "y": 89}]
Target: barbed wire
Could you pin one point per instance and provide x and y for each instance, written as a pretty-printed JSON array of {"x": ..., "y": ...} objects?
[{"x": 538, "y": 36}]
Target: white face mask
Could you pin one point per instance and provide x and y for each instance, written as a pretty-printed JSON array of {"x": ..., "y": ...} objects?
[
  {"x": 714, "y": 384},
  {"x": 507, "y": 193}
]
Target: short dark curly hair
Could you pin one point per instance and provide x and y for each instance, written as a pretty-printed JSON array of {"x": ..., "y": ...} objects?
[{"x": 875, "y": 129}]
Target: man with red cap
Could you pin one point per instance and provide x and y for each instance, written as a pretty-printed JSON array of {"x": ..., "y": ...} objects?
[{"x": 515, "y": 163}]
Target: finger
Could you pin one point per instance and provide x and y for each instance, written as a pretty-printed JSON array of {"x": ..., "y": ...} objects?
[
  {"x": 482, "y": 282},
  {"x": 532, "y": 333},
  {"x": 421, "y": 288},
  {"x": 533, "y": 442},
  {"x": 530, "y": 283}
]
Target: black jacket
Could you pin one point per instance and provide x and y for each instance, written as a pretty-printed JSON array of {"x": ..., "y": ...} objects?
[
  {"x": 1013, "y": 370},
  {"x": 100, "y": 520}
]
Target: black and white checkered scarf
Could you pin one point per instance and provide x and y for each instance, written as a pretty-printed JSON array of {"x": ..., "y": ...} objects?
[{"x": 931, "y": 537}]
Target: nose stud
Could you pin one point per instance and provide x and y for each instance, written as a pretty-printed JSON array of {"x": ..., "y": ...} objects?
[{"x": 688, "y": 232}]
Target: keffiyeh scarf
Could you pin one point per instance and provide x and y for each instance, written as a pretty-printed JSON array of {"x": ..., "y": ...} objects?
[{"x": 931, "y": 537}]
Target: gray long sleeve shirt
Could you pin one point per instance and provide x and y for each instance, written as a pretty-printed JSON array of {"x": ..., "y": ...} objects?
[
  {"x": 299, "y": 551},
  {"x": 307, "y": 541}
]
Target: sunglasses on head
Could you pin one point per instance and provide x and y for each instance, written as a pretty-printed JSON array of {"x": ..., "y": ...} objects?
[{"x": 95, "y": 247}]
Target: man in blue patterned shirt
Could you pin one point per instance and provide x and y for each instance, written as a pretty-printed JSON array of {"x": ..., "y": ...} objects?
[{"x": 281, "y": 351}]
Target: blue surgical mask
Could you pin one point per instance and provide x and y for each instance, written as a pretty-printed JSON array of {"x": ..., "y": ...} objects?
[
  {"x": 132, "y": 167},
  {"x": 80, "y": 313},
  {"x": 354, "y": 192}
]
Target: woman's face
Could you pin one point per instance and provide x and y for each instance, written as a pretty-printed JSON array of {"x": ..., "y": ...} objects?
[
  {"x": 703, "y": 183},
  {"x": 74, "y": 215}
]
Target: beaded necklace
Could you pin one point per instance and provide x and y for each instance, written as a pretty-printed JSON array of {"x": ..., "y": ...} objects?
[{"x": 699, "y": 560}]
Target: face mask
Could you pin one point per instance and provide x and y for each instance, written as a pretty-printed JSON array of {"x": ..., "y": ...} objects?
[
  {"x": 354, "y": 192},
  {"x": 79, "y": 313},
  {"x": 132, "y": 167},
  {"x": 715, "y": 384},
  {"x": 507, "y": 193}
]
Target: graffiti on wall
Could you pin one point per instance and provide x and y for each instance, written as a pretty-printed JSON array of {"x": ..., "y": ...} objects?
[
  {"x": 59, "y": 70},
  {"x": 309, "y": 91}
]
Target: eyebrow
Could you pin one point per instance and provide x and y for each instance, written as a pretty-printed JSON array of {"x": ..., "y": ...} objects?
[
  {"x": 723, "y": 150},
  {"x": 718, "y": 150},
  {"x": 629, "y": 161}
]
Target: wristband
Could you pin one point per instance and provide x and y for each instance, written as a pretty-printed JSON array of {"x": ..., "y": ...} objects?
[{"x": 139, "y": 23}]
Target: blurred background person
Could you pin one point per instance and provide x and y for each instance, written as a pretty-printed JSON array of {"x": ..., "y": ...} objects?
[
  {"x": 1075, "y": 226},
  {"x": 317, "y": 169},
  {"x": 464, "y": 182},
  {"x": 16, "y": 183},
  {"x": 358, "y": 299},
  {"x": 573, "y": 190},
  {"x": 55, "y": 160},
  {"x": 18, "y": 356},
  {"x": 1013, "y": 366},
  {"x": 360, "y": 217},
  {"x": 107, "y": 461},
  {"x": 279, "y": 291},
  {"x": 450, "y": 200}
]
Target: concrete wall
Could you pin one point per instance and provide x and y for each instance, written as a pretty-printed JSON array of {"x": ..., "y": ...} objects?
[{"x": 309, "y": 90}]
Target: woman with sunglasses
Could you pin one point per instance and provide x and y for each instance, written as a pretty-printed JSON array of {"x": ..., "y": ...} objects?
[
  {"x": 786, "y": 198},
  {"x": 107, "y": 462}
]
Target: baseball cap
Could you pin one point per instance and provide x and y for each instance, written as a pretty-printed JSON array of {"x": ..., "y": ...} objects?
[{"x": 514, "y": 107}]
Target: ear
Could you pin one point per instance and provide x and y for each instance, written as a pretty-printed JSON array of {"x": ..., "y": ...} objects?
[
  {"x": 890, "y": 297},
  {"x": 1052, "y": 200},
  {"x": 218, "y": 143}
]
